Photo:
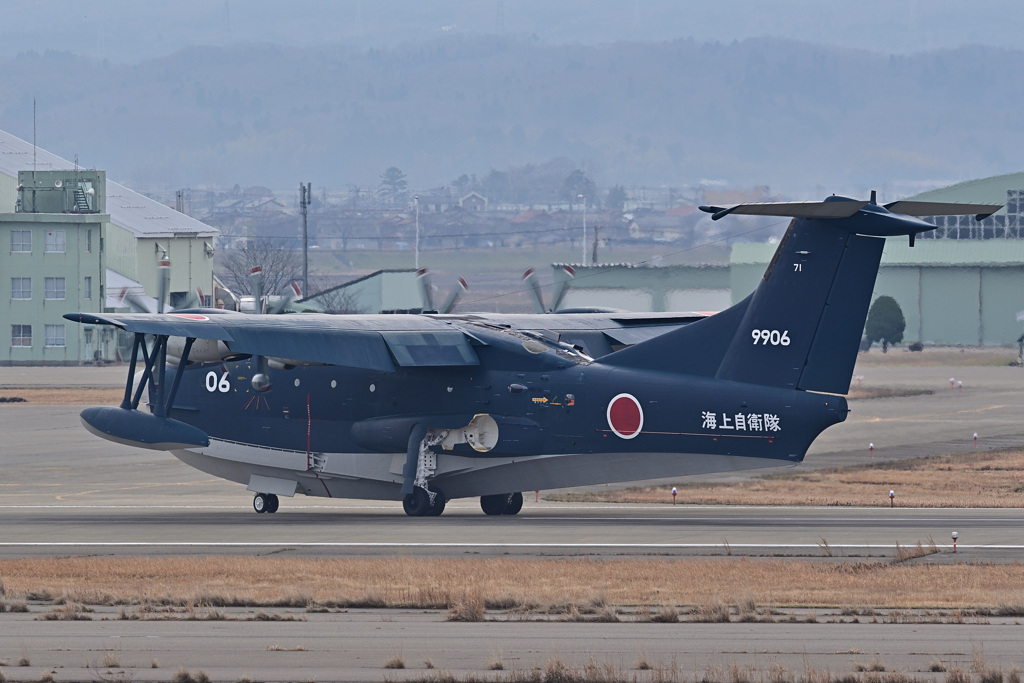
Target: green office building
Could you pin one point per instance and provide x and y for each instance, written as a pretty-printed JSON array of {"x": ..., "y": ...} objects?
[{"x": 74, "y": 242}]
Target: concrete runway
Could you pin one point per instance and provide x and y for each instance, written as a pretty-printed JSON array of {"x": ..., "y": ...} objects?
[{"x": 65, "y": 492}]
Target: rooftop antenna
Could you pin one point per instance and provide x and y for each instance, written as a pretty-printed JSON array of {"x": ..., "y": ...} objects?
[{"x": 33, "y": 155}]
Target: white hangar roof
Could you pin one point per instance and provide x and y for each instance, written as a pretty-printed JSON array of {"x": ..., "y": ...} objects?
[{"x": 128, "y": 209}]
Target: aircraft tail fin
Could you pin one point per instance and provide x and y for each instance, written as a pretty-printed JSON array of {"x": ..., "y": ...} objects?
[{"x": 802, "y": 325}]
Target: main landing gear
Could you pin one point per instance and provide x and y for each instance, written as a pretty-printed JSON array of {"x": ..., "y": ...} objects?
[
  {"x": 423, "y": 503},
  {"x": 265, "y": 502},
  {"x": 502, "y": 504}
]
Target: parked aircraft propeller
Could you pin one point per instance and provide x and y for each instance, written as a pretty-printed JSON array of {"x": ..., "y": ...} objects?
[
  {"x": 427, "y": 293},
  {"x": 530, "y": 278},
  {"x": 163, "y": 283},
  {"x": 292, "y": 292}
]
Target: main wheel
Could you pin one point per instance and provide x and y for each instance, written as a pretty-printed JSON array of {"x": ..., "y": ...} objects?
[
  {"x": 438, "y": 507},
  {"x": 417, "y": 503},
  {"x": 272, "y": 503},
  {"x": 259, "y": 502},
  {"x": 513, "y": 503},
  {"x": 494, "y": 504}
]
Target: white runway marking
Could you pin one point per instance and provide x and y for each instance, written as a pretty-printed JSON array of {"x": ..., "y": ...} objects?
[{"x": 399, "y": 544}]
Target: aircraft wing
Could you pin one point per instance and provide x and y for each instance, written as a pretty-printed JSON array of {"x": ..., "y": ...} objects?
[
  {"x": 349, "y": 341},
  {"x": 382, "y": 342}
]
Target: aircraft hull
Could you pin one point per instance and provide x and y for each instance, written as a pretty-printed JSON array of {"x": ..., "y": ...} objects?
[
  {"x": 335, "y": 432},
  {"x": 379, "y": 476}
]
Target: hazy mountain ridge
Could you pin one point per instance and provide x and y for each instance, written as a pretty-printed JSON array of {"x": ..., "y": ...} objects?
[{"x": 767, "y": 110}]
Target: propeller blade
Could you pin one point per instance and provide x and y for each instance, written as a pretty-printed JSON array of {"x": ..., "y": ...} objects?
[
  {"x": 163, "y": 283},
  {"x": 426, "y": 289},
  {"x": 455, "y": 295},
  {"x": 256, "y": 278},
  {"x": 563, "y": 287},
  {"x": 291, "y": 292},
  {"x": 530, "y": 278}
]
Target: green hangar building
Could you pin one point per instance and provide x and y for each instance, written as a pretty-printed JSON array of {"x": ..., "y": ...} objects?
[
  {"x": 962, "y": 284},
  {"x": 952, "y": 292}
]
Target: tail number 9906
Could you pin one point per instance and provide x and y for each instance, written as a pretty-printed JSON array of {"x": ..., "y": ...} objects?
[{"x": 773, "y": 337}]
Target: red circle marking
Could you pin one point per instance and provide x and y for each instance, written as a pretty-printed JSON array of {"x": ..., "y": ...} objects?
[
  {"x": 625, "y": 416},
  {"x": 189, "y": 316}
]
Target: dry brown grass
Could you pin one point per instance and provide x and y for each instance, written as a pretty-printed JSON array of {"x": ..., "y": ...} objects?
[
  {"x": 987, "y": 479},
  {"x": 579, "y": 584},
  {"x": 943, "y": 355},
  {"x": 861, "y": 393},
  {"x": 64, "y": 395}
]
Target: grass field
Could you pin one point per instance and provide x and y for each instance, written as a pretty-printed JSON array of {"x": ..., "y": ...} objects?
[
  {"x": 988, "y": 479},
  {"x": 941, "y": 355},
  {"x": 538, "y": 585}
]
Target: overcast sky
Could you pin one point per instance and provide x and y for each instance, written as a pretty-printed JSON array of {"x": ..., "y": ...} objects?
[{"x": 133, "y": 30}]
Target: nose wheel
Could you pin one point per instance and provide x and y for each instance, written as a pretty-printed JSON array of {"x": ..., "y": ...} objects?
[
  {"x": 502, "y": 504},
  {"x": 265, "y": 502}
]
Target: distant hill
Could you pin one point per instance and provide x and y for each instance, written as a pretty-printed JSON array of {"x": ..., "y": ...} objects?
[{"x": 780, "y": 112}]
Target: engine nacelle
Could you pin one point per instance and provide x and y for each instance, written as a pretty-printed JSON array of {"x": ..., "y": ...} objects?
[{"x": 203, "y": 351}]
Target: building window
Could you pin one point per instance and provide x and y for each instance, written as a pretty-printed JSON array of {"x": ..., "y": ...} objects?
[
  {"x": 88, "y": 240},
  {"x": 55, "y": 288},
  {"x": 55, "y": 335},
  {"x": 21, "y": 288},
  {"x": 88, "y": 287},
  {"x": 55, "y": 241},
  {"x": 21, "y": 335},
  {"x": 21, "y": 241}
]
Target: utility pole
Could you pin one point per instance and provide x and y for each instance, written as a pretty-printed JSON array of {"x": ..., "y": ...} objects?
[
  {"x": 584, "y": 227},
  {"x": 305, "y": 197},
  {"x": 417, "y": 257}
]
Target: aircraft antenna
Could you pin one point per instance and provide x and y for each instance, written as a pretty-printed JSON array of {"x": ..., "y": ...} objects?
[{"x": 305, "y": 197}]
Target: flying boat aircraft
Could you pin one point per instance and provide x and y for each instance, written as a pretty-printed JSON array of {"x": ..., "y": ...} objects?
[{"x": 427, "y": 408}]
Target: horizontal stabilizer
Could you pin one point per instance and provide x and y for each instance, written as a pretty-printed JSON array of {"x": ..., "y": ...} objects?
[
  {"x": 833, "y": 208},
  {"x": 911, "y": 208}
]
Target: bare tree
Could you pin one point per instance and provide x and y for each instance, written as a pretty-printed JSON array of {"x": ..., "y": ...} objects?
[{"x": 280, "y": 266}]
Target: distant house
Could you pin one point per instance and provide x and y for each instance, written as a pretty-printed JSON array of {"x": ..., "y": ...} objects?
[
  {"x": 759, "y": 193},
  {"x": 681, "y": 210},
  {"x": 532, "y": 216},
  {"x": 473, "y": 202}
]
